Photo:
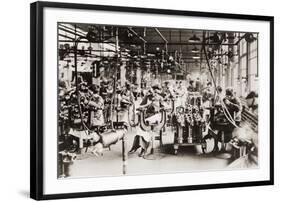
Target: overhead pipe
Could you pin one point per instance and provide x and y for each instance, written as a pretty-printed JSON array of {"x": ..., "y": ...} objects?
[
  {"x": 153, "y": 43},
  {"x": 141, "y": 38},
  {"x": 161, "y": 35},
  {"x": 71, "y": 29},
  {"x": 71, "y": 32},
  {"x": 67, "y": 37},
  {"x": 136, "y": 34}
]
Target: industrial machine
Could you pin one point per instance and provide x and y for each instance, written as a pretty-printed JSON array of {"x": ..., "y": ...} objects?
[{"x": 190, "y": 125}]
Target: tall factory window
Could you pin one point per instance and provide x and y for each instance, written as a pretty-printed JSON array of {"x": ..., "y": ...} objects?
[
  {"x": 253, "y": 66},
  {"x": 243, "y": 73}
]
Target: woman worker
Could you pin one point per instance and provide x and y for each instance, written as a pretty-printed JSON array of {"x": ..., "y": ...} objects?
[{"x": 152, "y": 103}]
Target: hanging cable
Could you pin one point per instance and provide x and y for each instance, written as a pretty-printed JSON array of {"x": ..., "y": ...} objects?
[
  {"x": 81, "y": 115},
  {"x": 225, "y": 110},
  {"x": 77, "y": 88},
  {"x": 113, "y": 106}
]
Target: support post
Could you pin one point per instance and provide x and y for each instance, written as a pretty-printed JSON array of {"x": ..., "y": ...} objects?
[{"x": 124, "y": 154}]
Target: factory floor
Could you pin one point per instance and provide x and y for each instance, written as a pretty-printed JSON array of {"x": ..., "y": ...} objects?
[{"x": 188, "y": 159}]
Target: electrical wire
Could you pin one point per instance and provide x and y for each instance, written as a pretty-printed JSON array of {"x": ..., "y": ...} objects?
[{"x": 225, "y": 110}]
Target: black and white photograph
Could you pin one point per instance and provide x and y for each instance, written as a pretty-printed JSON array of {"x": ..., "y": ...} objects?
[
  {"x": 131, "y": 100},
  {"x": 142, "y": 100}
]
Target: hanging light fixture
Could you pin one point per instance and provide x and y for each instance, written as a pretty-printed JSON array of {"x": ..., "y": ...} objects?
[
  {"x": 195, "y": 50},
  {"x": 90, "y": 36},
  {"x": 194, "y": 38},
  {"x": 196, "y": 57}
]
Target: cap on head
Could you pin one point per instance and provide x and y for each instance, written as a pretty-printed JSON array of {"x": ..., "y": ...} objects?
[
  {"x": 219, "y": 89},
  {"x": 95, "y": 88},
  {"x": 156, "y": 87},
  {"x": 229, "y": 91}
]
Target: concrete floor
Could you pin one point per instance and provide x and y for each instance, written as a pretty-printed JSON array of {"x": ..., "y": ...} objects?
[{"x": 188, "y": 159}]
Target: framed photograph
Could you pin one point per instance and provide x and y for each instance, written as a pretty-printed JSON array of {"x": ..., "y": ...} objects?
[{"x": 138, "y": 100}]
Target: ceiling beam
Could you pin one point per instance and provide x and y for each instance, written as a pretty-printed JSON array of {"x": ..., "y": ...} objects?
[
  {"x": 68, "y": 37},
  {"x": 71, "y": 29},
  {"x": 165, "y": 40},
  {"x": 156, "y": 43},
  {"x": 136, "y": 34},
  {"x": 71, "y": 32},
  {"x": 161, "y": 35}
]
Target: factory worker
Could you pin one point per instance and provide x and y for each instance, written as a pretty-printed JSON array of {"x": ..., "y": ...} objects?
[
  {"x": 126, "y": 99},
  {"x": 198, "y": 84},
  {"x": 96, "y": 104},
  {"x": 180, "y": 95},
  {"x": 233, "y": 105},
  {"x": 152, "y": 102},
  {"x": 219, "y": 96},
  {"x": 252, "y": 100},
  {"x": 167, "y": 94},
  {"x": 191, "y": 87}
]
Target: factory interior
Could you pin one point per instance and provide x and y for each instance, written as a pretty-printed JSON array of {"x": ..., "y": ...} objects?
[{"x": 152, "y": 100}]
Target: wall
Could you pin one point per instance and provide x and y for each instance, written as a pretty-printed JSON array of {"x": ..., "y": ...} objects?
[{"x": 14, "y": 100}]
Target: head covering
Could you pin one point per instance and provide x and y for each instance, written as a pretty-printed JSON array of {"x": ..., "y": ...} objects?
[
  {"x": 219, "y": 89},
  {"x": 251, "y": 94},
  {"x": 95, "y": 88},
  {"x": 118, "y": 89},
  {"x": 83, "y": 83},
  {"x": 229, "y": 91},
  {"x": 156, "y": 87}
]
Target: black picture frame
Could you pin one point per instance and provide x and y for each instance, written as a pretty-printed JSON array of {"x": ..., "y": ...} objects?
[{"x": 37, "y": 98}]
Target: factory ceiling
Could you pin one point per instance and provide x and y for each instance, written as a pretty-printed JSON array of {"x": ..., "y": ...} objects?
[{"x": 183, "y": 44}]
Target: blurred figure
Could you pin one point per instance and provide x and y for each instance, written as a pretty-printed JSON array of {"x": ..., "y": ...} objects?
[
  {"x": 245, "y": 140},
  {"x": 197, "y": 84},
  {"x": 191, "y": 87},
  {"x": 84, "y": 95},
  {"x": 106, "y": 93},
  {"x": 103, "y": 89},
  {"x": 233, "y": 105},
  {"x": 209, "y": 88},
  {"x": 151, "y": 103},
  {"x": 123, "y": 98},
  {"x": 127, "y": 99},
  {"x": 208, "y": 100},
  {"x": 252, "y": 101},
  {"x": 166, "y": 92},
  {"x": 168, "y": 97},
  {"x": 219, "y": 96},
  {"x": 96, "y": 104},
  {"x": 180, "y": 95}
]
